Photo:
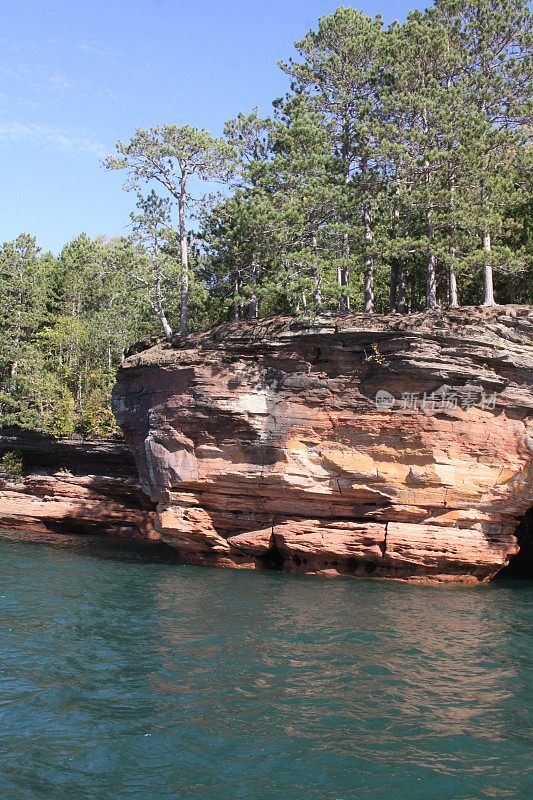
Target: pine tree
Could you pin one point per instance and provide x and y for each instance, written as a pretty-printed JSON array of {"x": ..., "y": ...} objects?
[
  {"x": 422, "y": 114},
  {"x": 337, "y": 73},
  {"x": 170, "y": 156},
  {"x": 495, "y": 37}
]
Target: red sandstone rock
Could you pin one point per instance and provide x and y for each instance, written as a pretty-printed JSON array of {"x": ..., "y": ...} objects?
[
  {"x": 48, "y": 504},
  {"x": 263, "y": 444}
]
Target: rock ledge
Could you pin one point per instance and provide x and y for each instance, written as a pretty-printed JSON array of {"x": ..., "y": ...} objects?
[{"x": 263, "y": 443}]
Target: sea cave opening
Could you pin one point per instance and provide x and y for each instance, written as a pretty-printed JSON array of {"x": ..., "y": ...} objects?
[{"x": 521, "y": 564}]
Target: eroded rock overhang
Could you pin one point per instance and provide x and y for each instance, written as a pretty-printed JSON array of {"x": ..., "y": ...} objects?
[{"x": 388, "y": 446}]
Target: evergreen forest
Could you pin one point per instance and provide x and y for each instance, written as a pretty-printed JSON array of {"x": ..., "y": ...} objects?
[{"x": 394, "y": 176}]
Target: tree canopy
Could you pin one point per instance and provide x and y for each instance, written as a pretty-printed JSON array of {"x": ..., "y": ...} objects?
[{"x": 393, "y": 176}]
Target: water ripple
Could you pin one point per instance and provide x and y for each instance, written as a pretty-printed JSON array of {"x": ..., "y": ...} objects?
[{"x": 128, "y": 680}]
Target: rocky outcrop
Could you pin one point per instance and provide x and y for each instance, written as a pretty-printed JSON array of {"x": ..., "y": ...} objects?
[
  {"x": 388, "y": 446},
  {"x": 74, "y": 487}
]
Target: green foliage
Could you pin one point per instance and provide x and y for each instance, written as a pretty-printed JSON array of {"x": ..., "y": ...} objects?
[
  {"x": 65, "y": 323},
  {"x": 394, "y": 170},
  {"x": 12, "y": 465},
  {"x": 169, "y": 156},
  {"x": 394, "y": 175},
  {"x": 97, "y": 419}
]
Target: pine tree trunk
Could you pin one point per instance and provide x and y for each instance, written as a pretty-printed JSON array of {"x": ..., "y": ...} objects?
[
  {"x": 13, "y": 372},
  {"x": 402, "y": 287},
  {"x": 237, "y": 306},
  {"x": 79, "y": 393},
  {"x": 452, "y": 276},
  {"x": 393, "y": 285},
  {"x": 369, "y": 263},
  {"x": 431, "y": 286},
  {"x": 431, "y": 273},
  {"x": 452, "y": 285},
  {"x": 167, "y": 330},
  {"x": 160, "y": 311},
  {"x": 342, "y": 277},
  {"x": 489, "y": 289},
  {"x": 317, "y": 293},
  {"x": 253, "y": 305},
  {"x": 342, "y": 271},
  {"x": 431, "y": 282},
  {"x": 184, "y": 254}
]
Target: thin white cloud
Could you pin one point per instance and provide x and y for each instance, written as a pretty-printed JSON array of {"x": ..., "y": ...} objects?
[
  {"x": 59, "y": 83},
  {"x": 38, "y": 78},
  {"x": 95, "y": 48},
  {"x": 106, "y": 95},
  {"x": 9, "y": 45},
  {"x": 50, "y": 137},
  {"x": 40, "y": 81}
]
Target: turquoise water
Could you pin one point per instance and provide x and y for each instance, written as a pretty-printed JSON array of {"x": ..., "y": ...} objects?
[{"x": 126, "y": 679}]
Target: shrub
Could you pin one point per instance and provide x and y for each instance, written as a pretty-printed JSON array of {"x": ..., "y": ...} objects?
[
  {"x": 12, "y": 465},
  {"x": 97, "y": 420}
]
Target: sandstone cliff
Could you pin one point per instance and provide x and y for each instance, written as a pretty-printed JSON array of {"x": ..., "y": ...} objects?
[
  {"x": 263, "y": 445},
  {"x": 72, "y": 488}
]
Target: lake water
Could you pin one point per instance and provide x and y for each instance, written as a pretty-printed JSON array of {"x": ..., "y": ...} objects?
[{"x": 121, "y": 679}]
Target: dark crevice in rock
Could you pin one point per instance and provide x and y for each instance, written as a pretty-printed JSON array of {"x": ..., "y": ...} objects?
[
  {"x": 42, "y": 453},
  {"x": 384, "y": 545},
  {"x": 273, "y": 558},
  {"x": 79, "y": 527},
  {"x": 521, "y": 564}
]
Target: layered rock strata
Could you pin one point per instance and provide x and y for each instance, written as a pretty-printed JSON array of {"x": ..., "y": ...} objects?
[
  {"x": 388, "y": 446},
  {"x": 74, "y": 487}
]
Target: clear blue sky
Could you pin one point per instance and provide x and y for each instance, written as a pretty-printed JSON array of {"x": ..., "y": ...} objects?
[{"x": 76, "y": 75}]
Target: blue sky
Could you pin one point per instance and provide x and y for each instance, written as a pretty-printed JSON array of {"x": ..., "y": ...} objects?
[{"x": 77, "y": 75}]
